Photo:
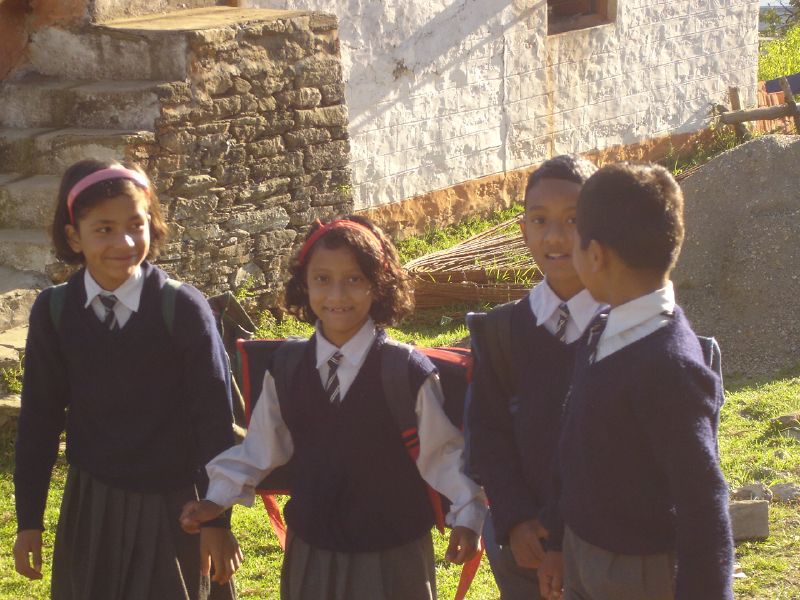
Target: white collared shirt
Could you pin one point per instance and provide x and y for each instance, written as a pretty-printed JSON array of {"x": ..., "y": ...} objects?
[
  {"x": 268, "y": 444},
  {"x": 634, "y": 320},
  {"x": 545, "y": 304},
  {"x": 128, "y": 295}
]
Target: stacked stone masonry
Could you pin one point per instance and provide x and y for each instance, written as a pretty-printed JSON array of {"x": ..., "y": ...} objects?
[
  {"x": 242, "y": 128},
  {"x": 251, "y": 150}
]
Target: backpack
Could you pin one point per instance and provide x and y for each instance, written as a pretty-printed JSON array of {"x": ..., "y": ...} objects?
[
  {"x": 455, "y": 372},
  {"x": 492, "y": 331}
]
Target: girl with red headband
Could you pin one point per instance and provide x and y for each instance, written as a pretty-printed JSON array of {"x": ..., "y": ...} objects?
[
  {"x": 359, "y": 517},
  {"x": 143, "y": 407}
]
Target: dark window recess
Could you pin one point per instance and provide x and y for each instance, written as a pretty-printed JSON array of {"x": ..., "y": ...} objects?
[{"x": 567, "y": 15}]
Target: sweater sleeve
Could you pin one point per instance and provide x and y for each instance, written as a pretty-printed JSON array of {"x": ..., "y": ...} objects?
[
  {"x": 45, "y": 392},
  {"x": 207, "y": 380},
  {"x": 680, "y": 421},
  {"x": 493, "y": 452}
]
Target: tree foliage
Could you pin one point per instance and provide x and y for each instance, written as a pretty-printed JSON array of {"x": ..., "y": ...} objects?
[{"x": 781, "y": 56}]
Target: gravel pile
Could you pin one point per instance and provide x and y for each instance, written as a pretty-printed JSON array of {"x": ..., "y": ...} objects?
[{"x": 738, "y": 277}]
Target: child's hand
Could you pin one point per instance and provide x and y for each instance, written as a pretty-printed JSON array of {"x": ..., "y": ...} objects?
[
  {"x": 196, "y": 512},
  {"x": 28, "y": 545},
  {"x": 551, "y": 576},
  {"x": 525, "y": 543},
  {"x": 463, "y": 545},
  {"x": 218, "y": 545}
]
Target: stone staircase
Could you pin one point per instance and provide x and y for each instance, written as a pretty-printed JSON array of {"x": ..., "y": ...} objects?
[{"x": 94, "y": 93}]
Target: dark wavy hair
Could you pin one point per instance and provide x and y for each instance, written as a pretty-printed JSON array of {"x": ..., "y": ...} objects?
[
  {"x": 393, "y": 296},
  {"x": 96, "y": 194}
]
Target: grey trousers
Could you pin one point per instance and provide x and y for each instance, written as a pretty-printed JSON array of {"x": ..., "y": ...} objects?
[
  {"x": 513, "y": 581},
  {"x": 591, "y": 573}
]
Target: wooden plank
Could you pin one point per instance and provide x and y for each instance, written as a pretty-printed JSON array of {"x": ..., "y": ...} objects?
[{"x": 789, "y": 99}]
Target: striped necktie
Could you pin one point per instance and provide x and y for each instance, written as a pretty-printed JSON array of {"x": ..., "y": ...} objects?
[
  {"x": 561, "y": 327},
  {"x": 332, "y": 384},
  {"x": 595, "y": 331},
  {"x": 109, "y": 302}
]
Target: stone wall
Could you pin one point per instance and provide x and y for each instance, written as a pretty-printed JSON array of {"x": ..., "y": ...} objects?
[
  {"x": 251, "y": 149},
  {"x": 443, "y": 92}
]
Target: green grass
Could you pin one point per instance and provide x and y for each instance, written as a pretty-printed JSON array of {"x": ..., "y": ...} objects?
[{"x": 751, "y": 449}]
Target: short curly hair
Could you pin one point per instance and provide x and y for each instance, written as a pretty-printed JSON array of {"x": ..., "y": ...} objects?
[
  {"x": 94, "y": 195},
  {"x": 637, "y": 210},
  {"x": 393, "y": 296}
]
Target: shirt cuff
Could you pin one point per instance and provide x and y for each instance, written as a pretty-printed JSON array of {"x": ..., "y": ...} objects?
[
  {"x": 226, "y": 493},
  {"x": 471, "y": 515}
]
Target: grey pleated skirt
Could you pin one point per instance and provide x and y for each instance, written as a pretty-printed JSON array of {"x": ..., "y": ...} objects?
[
  {"x": 113, "y": 544},
  {"x": 407, "y": 572}
]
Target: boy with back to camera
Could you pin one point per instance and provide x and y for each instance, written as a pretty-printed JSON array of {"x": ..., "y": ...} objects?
[
  {"x": 513, "y": 419},
  {"x": 642, "y": 497}
]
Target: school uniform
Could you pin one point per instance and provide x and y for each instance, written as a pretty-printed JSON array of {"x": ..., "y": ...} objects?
[
  {"x": 359, "y": 517},
  {"x": 641, "y": 487},
  {"x": 143, "y": 410},
  {"x": 513, "y": 440}
]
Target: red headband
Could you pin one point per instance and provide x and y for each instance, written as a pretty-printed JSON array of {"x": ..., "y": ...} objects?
[
  {"x": 112, "y": 172},
  {"x": 338, "y": 224}
]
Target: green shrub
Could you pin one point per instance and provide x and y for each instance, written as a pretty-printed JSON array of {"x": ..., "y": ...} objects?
[{"x": 781, "y": 56}]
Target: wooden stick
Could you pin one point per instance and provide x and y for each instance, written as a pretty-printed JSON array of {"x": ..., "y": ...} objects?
[
  {"x": 788, "y": 97},
  {"x": 736, "y": 105},
  {"x": 767, "y": 113}
]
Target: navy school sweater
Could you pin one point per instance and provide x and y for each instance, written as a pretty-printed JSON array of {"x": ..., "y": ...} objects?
[
  {"x": 513, "y": 440},
  {"x": 639, "y": 465},
  {"x": 143, "y": 410},
  {"x": 354, "y": 486}
]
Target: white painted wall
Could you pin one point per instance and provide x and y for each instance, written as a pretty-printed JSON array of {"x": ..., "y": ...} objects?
[{"x": 445, "y": 91}]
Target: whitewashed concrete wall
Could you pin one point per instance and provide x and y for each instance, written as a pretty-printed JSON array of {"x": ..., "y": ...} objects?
[{"x": 446, "y": 91}]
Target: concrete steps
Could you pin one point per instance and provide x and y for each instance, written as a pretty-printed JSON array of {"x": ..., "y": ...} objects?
[
  {"x": 51, "y": 151},
  {"x": 37, "y": 101},
  {"x": 108, "y": 53},
  {"x": 28, "y": 202},
  {"x": 26, "y": 249},
  {"x": 18, "y": 290}
]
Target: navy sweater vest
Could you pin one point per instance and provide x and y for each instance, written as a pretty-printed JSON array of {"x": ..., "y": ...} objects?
[
  {"x": 514, "y": 440},
  {"x": 354, "y": 487},
  {"x": 638, "y": 458},
  {"x": 143, "y": 410}
]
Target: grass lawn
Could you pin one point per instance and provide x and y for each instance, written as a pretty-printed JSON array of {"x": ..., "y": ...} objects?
[{"x": 751, "y": 450}]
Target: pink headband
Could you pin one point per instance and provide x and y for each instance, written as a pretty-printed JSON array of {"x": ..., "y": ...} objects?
[
  {"x": 115, "y": 172},
  {"x": 338, "y": 224}
]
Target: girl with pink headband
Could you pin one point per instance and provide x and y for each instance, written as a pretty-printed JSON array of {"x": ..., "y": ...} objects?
[
  {"x": 144, "y": 405},
  {"x": 359, "y": 517}
]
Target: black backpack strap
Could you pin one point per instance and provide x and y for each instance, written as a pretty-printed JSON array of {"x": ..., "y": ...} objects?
[
  {"x": 395, "y": 359},
  {"x": 58, "y": 296},
  {"x": 712, "y": 354},
  {"x": 285, "y": 363},
  {"x": 168, "y": 295},
  {"x": 497, "y": 335}
]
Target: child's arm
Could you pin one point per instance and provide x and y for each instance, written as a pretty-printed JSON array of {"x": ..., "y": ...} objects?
[
  {"x": 680, "y": 419},
  {"x": 493, "y": 451},
  {"x": 206, "y": 375},
  {"x": 28, "y": 553},
  {"x": 441, "y": 464},
  {"x": 41, "y": 420},
  {"x": 551, "y": 575}
]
